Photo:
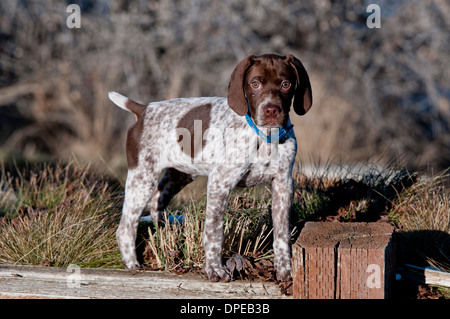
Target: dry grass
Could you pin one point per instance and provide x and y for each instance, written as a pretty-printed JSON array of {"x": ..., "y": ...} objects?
[
  {"x": 63, "y": 214},
  {"x": 425, "y": 206},
  {"x": 247, "y": 232},
  {"x": 175, "y": 245},
  {"x": 423, "y": 215},
  {"x": 58, "y": 216}
]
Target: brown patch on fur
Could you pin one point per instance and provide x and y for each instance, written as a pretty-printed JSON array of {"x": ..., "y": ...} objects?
[
  {"x": 134, "y": 141},
  {"x": 135, "y": 107},
  {"x": 202, "y": 113}
]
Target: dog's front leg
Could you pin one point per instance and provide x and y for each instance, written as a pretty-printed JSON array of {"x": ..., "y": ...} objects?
[
  {"x": 217, "y": 195},
  {"x": 282, "y": 193}
]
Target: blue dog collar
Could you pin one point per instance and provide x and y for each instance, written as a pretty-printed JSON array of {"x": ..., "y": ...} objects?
[{"x": 278, "y": 136}]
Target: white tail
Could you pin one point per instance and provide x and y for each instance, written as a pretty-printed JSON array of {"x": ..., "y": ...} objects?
[
  {"x": 126, "y": 104},
  {"x": 119, "y": 100}
]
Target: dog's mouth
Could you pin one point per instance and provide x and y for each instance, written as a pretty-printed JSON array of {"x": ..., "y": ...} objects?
[
  {"x": 271, "y": 123},
  {"x": 276, "y": 121}
]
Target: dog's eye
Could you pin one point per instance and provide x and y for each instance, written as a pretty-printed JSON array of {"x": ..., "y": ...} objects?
[
  {"x": 255, "y": 84},
  {"x": 285, "y": 85}
]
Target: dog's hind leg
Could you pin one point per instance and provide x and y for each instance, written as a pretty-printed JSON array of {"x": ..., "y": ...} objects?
[{"x": 140, "y": 185}]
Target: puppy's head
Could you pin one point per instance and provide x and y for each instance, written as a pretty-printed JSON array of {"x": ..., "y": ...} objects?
[{"x": 271, "y": 84}]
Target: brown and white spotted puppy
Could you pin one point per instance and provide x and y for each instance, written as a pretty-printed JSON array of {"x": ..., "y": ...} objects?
[{"x": 244, "y": 140}]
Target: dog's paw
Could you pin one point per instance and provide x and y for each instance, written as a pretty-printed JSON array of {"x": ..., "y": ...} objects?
[
  {"x": 217, "y": 273},
  {"x": 283, "y": 270},
  {"x": 283, "y": 275},
  {"x": 132, "y": 265}
]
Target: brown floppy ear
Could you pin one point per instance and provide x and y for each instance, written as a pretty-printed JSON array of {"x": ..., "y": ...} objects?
[
  {"x": 303, "y": 93},
  {"x": 236, "y": 96}
]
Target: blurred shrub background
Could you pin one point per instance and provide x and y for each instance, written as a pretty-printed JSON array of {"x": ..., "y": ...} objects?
[{"x": 378, "y": 93}]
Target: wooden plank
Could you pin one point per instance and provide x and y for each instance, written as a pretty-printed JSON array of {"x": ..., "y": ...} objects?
[
  {"x": 345, "y": 269},
  {"x": 52, "y": 282},
  {"x": 317, "y": 257},
  {"x": 328, "y": 273},
  {"x": 343, "y": 260},
  {"x": 298, "y": 270},
  {"x": 426, "y": 275}
]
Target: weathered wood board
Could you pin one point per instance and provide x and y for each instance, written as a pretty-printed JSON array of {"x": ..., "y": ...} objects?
[{"x": 52, "y": 282}]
